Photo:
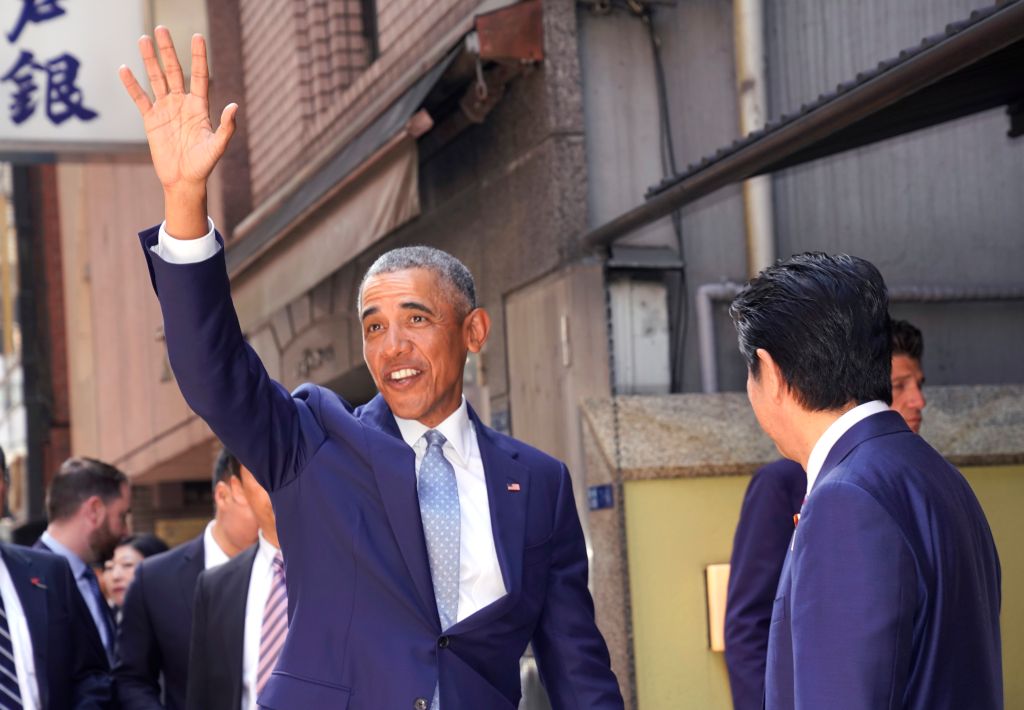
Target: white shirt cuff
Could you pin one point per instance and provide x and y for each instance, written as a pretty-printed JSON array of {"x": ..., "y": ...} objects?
[{"x": 186, "y": 251}]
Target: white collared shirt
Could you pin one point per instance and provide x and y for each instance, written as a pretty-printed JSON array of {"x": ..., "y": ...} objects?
[
  {"x": 261, "y": 578},
  {"x": 480, "y": 580},
  {"x": 213, "y": 555},
  {"x": 21, "y": 640},
  {"x": 834, "y": 433},
  {"x": 185, "y": 251}
]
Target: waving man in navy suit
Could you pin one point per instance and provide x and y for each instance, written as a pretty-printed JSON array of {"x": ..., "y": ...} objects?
[{"x": 422, "y": 550}]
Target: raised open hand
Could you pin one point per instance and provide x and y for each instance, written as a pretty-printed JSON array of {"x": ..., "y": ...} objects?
[{"x": 182, "y": 142}]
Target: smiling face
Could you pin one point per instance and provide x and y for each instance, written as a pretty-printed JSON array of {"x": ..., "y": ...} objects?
[{"x": 415, "y": 342}]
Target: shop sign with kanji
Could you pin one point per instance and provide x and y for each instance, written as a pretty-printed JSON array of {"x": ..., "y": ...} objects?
[{"x": 59, "y": 89}]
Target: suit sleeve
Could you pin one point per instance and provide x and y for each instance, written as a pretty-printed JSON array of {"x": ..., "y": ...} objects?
[
  {"x": 137, "y": 671},
  {"x": 198, "y": 691},
  {"x": 90, "y": 675},
  {"x": 854, "y": 595},
  {"x": 221, "y": 377},
  {"x": 759, "y": 550},
  {"x": 571, "y": 653}
]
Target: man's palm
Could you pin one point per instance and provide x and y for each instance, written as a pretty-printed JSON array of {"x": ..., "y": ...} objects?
[
  {"x": 181, "y": 139},
  {"x": 183, "y": 144}
]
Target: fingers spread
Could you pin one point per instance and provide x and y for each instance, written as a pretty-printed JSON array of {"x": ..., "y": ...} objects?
[
  {"x": 200, "y": 68},
  {"x": 152, "y": 64},
  {"x": 135, "y": 91},
  {"x": 172, "y": 68}
]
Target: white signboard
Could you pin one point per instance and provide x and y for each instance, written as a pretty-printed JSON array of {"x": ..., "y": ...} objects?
[{"x": 59, "y": 89}]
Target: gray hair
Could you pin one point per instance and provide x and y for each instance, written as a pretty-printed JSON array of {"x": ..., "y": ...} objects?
[{"x": 452, "y": 272}]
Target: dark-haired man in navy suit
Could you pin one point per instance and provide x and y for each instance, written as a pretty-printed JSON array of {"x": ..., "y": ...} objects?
[
  {"x": 889, "y": 596},
  {"x": 423, "y": 551},
  {"x": 774, "y": 496},
  {"x": 153, "y": 638}
]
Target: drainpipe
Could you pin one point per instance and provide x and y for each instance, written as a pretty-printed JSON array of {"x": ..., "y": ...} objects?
[
  {"x": 748, "y": 24},
  {"x": 708, "y": 294}
]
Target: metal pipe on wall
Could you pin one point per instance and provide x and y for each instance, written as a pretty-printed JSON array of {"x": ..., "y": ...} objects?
[
  {"x": 752, "y": 94},
  {"x": 708, "y": 294}
]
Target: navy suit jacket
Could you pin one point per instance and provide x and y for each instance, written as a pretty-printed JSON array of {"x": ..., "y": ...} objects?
[
  {"x": 156, "y": 621},
  {"x": 364, "y": 630},
  {"x": 759, "y": 548},
  {"x": 889, "y": 597},
  {"x": 218, "y": 634},
  {"x": 71, "y": 665}
]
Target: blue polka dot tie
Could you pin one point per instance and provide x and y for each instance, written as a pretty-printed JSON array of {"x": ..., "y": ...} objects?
[{"x": 439, "y": 511}]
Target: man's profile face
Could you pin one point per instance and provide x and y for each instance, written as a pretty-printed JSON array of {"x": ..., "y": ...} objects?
[
  {"x": 907, "y": 397},
  {"x": 113, "y": 526},
  {"x": 258, "y": 500},
  {"x": 234, "y": 512},
  {"x": 415, "y": 343}
]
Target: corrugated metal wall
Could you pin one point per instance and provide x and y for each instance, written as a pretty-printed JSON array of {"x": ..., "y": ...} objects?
[{"x": 938, "y": 207}]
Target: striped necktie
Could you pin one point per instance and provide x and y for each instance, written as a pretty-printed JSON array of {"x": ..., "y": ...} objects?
[
  {"x": 275, "y": 625},
  {"x": 10, "y": 691}
]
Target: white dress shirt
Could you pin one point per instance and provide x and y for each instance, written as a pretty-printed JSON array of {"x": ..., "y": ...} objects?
[
  {"x": 213, "y": 555},
  {"x": 185, "y": 251},
  {"x": 480, "y": 580},
  {"x": 21, "y": 640},
  {"x": 260, "y": 580},
  {"x": 834, "y": 433},
  {"x": 81, "y": 572}
]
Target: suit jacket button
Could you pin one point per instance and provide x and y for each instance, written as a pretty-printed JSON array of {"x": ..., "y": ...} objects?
[
  {"x": 420, "y": 704},
  {"x": 444, "y": 642}
]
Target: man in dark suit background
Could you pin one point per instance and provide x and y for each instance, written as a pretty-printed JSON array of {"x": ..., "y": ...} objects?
[
  {"x": 889, "y": 595},
  {"x": 88, "y": 503},
  {"x": 240, "y": 617},
  {"x": 50, "y": 655},
  {"x": 423, "y": 550},
  {"x": 765, "y": 527},
  {"x": 153, "y": 639}
]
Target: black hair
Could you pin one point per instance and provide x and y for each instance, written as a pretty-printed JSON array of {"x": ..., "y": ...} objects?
[
  {"x": 78, "y": 479},
  {"x": 825, "y": 321},
  {"x": 227, "y": 466},
  {"x": 907, "y": 340},
  {"x": 146, "y": 544}
]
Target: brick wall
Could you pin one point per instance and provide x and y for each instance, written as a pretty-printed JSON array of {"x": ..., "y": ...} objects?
[{"x": 304, "y": 74}]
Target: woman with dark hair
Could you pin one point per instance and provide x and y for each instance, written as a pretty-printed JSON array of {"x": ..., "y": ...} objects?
[{"x": 119, "y": 570}]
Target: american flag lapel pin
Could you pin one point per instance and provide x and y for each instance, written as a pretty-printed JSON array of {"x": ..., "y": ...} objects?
[
  {"x": 513, "y": 487},
  {"x": 36, "y": 582}
]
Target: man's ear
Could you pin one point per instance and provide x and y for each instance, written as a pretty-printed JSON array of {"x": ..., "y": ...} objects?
[
  {"x": 221, "y": 493},
  {"x": 772, "y": 381},
  {"x": 475, "y": 328},
  {"x": 95, "y": 509}
]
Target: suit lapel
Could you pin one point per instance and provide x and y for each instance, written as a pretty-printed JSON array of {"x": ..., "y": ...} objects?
[
  {"x": 394, "y": 466},
  {"x": 868, "y": 428},
  {"x": 193, "y": 561},
  {"x": 235, "y": 588},
  {"x": 508, "y": 488},
  {"x": 33, "y": 602}
]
